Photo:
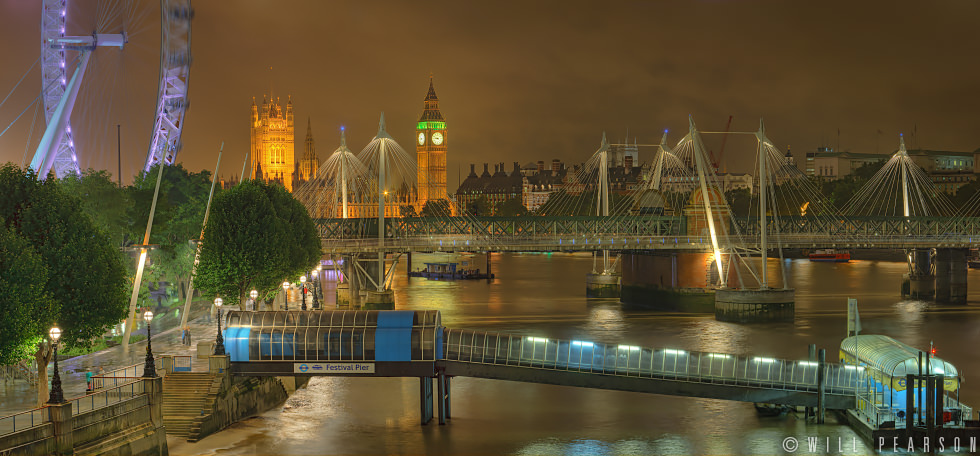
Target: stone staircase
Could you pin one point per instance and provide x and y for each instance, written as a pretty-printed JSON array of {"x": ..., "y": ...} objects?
[{"x": 187, "y": 398}]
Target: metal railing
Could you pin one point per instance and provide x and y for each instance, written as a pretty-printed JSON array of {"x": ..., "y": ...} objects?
[
  {"x": 23, "y": 420},
  {"x": 107, "y": 397},
  {"x": 182, "y": 363},
  {"x": 125, "y": 374},
  {"x": 634, "y": 361}
]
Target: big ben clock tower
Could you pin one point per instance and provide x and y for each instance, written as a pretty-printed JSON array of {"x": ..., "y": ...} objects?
[{"x": 430, "y": 147}]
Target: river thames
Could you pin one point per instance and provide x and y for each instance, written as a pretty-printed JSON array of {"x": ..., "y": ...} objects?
[{"x": 544, "y": 295}]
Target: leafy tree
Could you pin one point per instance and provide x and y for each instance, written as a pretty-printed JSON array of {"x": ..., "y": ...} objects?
[
  {"x": 436, "y": 208},
  {"x": 23, "y": 297},
  {"x": 103, "y": 200},
  {"x": 257, "y": 235},
  {"x": 86, "y": 280},
  {"x": 479, "y": 207},
  {"x": 511, "y": 208}
]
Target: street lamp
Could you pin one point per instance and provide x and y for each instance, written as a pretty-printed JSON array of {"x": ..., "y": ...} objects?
[
  {"x": 302, "y": 280},
  {"x": 57, "y": 395},
  {"x": 149, "y": 367},
  {"x": 285, "y": 292},
  {"x": 254, "y": 294},
  {"x": 219, "y": 342},
  {"x": 316, "y": 287}
]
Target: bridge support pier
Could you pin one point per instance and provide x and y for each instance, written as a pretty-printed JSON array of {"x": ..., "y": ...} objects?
[
  {"x": 603, "y": 285},
  {"x": 425, "y": 396},
  {"x": 674, "y": 281},
  {"x": 922, "y": 279},
  {"x": 951, "y": 269},
  {"x": 379, "y": 300},
  {"x": 443, "y": 390},
  {"x": 750, "y": 306}
]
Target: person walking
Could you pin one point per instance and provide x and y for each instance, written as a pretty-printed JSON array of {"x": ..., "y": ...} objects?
[{"x": 88, "y": 381}]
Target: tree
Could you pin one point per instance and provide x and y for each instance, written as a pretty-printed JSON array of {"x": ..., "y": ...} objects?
[
  {"x": 479, "y": 207},
  {"x": 512, "y": 207},
  {"x": 257, "y": 235},
  {"x": 179, "y": 215},
  {"x": 436, "y": 208},
  {"x": 23, "y": 297},
  {"x": 87, "y": 278},
  {"x": 103, "y": 200}
]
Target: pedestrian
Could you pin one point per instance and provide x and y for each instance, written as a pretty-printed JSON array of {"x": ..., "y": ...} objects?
[
  {"x": 210, "y": 314},
  {"x": 186, "y": 336},
  {"x": 88, "y": 381}
]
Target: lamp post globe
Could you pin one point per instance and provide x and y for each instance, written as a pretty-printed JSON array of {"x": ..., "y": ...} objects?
[
  {"x": 57, "y": 395},
  {"x": 285, "y": 298},
  {"x": 254, "y": 294},
  {"x": 219, "y": 341},
  {"x": 149, "y": 365}
]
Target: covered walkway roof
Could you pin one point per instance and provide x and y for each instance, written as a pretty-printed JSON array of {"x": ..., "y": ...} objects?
[{"x": 891, "y": 357}]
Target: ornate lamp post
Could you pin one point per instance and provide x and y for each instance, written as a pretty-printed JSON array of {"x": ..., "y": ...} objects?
[
  {"x": 316, "y": 287},
  {"x": 149, "y": 367},
  {"x": 254, "y": 294},
  {"x": 302, "y": 280},
  {"x": 57, "y": 395},
  {"x": 219, "y": 341},
  {"x": 285, "y": 292}
]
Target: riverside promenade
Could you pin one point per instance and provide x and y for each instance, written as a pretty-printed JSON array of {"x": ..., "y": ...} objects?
[{"x": 18, "y": 396}]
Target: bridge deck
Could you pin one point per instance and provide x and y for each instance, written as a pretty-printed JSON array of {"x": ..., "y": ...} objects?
[
  {"x": 650, "y": 370},
  {"x": 537, "y": 233}
]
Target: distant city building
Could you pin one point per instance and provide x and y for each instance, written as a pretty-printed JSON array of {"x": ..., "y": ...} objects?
[
  {"x": 272, "y": 155},
  {"x": 835, "y": 165},
  {"x": 811, "y": 169},
  {"x": 725, "y": 181},
  {"x": 947, "y": 170}
]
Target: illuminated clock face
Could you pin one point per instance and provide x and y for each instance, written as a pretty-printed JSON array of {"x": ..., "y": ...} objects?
[
  {"x": 437, "y": 138},
  {"x": 421, "y": 138}
]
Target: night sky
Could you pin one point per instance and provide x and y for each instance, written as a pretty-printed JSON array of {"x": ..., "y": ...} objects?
[{"x": 534, "y": 80}]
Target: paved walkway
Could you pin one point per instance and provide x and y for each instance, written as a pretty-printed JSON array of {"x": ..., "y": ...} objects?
[{"x": 18, "y": 396}]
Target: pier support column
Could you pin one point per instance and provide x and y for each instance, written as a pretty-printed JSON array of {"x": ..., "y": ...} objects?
[
  {"x": 599, "y": 285},
  {"x": 489, "y": 271},
  {"x": 425, "y": 396},
  {"x": 922, "y": 280},
  {"x": 821, "y": 394},
  {"x": 443, "y": 400},
  {"x": 958, "y": 267},
  {"x": 408, "y": 267},
  {"x": 911, "y": 383},
  {"x": 942, "y": 274}
]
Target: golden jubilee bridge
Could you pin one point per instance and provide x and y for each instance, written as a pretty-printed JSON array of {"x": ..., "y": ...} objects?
[{"x": 597, "y": 233}]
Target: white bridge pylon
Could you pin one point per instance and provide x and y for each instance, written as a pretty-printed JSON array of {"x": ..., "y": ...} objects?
[{"x": 900, "y": 188}]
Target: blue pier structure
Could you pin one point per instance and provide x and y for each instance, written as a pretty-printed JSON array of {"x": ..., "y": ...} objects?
[{"x": 394, "y": 343}]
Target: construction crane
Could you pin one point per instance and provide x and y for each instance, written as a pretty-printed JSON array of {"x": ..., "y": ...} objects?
[{"x": 716, "y": 162}]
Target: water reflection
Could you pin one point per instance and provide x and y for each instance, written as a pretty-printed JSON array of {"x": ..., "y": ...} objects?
[{"x": 544, "y": 295}]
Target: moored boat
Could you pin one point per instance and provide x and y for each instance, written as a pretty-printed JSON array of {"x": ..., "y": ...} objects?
[{"x": 830, "y": 255}]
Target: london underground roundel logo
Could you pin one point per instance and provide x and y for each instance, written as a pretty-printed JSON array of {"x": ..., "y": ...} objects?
[{"x": 303, "y": 367}]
